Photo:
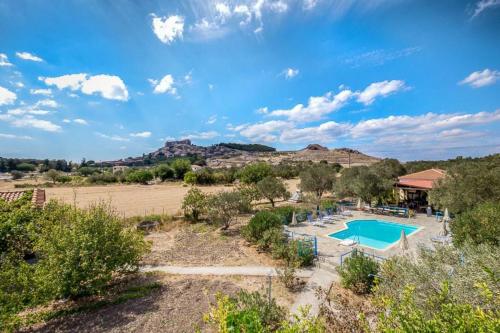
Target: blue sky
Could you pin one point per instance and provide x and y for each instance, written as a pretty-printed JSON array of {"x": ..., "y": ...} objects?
[{"x": 111, "y": 79}]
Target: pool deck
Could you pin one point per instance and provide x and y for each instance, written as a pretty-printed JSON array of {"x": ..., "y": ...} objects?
[{"x": 330, "y": 249}]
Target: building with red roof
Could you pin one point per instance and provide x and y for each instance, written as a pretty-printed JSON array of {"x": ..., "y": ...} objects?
[{"x": 414, "y": 187}]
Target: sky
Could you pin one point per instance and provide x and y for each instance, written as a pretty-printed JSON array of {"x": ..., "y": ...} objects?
[{"x": 111, "y": 79}]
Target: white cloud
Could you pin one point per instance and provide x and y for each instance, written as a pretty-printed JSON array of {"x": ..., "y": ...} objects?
[
  {"x": 317, "y": 107},
  {"x": 482, "y": 78},
  {"x": 30, "y": 121},
  {"x": 7, "y": 97},
  {"x": 108, "y": 86},
  {"x": 201, "y": 135},
  {"x": 278, "y": 6},
  {"x": 67, "y": 121},
  {"x": 16, "y": 137},
  {"x": 207, "y": 30},
  {"x": 47, "y": 102},
  {"x": 167, "y": 29},
  {"x": 379, "y": 57},
  {"x": 166, "y": 85},
  {"x": 290, "y": 73},
  {"x": 243, "y": 10},
  {"x": 212, "y": 120},
  {"x": 326, "y": 132},
  {"x": 112, "y": 137},
  {"x": 80, "y": 121},
  {"x": 145, "y": 134},
  {"x": 380, "y": 89},
  {"x": 262, "y": 110},
  {"x": 4, "y": 60},
  {"x": 484, "y": 5},
  {"x": 223, "y": 10},
  {"x": 18, "y": 84},
  {"x": 210, "y": 87},
  {"x": 28, "y": 56},
  {"x": 263, "y": 131},
  {"x": 27, "y": 110},
  {"x": 46, "y": 92},
  {"x": 309, "y": 4},
  {"x": 71, "y": 81}
]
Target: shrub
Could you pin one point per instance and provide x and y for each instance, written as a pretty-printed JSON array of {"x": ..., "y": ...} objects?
[
  {"x": 81, "y": 250},
  {"x": 190, "y": 178},
  {"x": 16, "y": 174},
  {"x": 141, "y": 176},
  {"x": 285, "y": 213},
  {"x": 295, "y": 253},
  {"x": 260, "y": 223},
  {"x": 479, "y": 225},
  {"x": 164, "y": 172},
  {"x": 25, "y": 167},
  {"x": 181, "y": 166},
  {"x": 272, "y": 188},
  {"x": 224, "y": 207},
  {"x": 87, "y": 171},
  {"x": 52, "y": 175},
  {"x": 102, "y": 178},
  {"x": 194, "y": 203},
  {"x": 357, "y": 272},
  {"x": 253, "y": 173}
]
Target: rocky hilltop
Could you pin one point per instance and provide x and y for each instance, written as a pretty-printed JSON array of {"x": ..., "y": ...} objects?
[{"x": 236, "y": 155}]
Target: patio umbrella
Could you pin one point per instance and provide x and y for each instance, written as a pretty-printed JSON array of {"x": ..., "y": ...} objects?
[
  {"x": 294, "y": 219},
  {"x": 444, "y": 231},
  {"x": 446, "y": 216},
  {"x": 359, "y": 204},
  {"x": 403, "y": 241}
]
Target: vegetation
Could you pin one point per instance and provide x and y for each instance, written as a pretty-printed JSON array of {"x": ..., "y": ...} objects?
[
  {"x": 272, "y": 188},
  {"x": 163, "y": 172},
  {"x": 180, "y": 167},
  {"x": 318, "y": 179},
  {"x": 259, "y": 224},
  {"x": 27, "y": 164},
  {"x": 415, "y": 166},
  {"x": 446, "y": 290},
  {"x": 254, "y": 173},
  {"x": 224, "y": 207},
  {"x": 467, "y": 185},
  {"x": 141, "y": 176},
  {"x": 77, "y": 252},
  {"x": 479, "y": 225},
  {"x": 358, "y": 272},
  {"x": 17, "y": 174},
  {"x": 194, "y": 204},
  {"x": 253, "y": 147}
]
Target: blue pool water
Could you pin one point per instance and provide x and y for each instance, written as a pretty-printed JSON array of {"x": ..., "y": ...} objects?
[{"x": 374, "y": 233}]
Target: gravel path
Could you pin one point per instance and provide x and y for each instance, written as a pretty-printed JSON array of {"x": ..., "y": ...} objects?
[{"x": 222, "y": 270}]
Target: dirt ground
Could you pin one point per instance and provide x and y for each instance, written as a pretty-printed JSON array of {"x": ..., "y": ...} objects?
[
  {"x": 204, "y": 245},
  {"x": 129, "y": 200},
  {"x": 178, "y": 306}
]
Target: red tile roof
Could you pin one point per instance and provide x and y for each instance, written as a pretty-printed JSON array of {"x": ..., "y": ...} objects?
[
  {"x": 423, "y": 179},
  {"x": 38, "y": 198}
]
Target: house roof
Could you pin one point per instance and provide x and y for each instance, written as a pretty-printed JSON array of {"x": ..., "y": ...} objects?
[
  {"x": 38, "y": 198},
  {"x": 423, "y": 179}
]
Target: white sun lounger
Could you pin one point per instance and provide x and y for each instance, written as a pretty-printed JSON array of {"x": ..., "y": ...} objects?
[{"x": 348, "y": 242}]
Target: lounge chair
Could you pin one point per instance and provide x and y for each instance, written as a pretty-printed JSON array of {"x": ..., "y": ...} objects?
[
  {"x": 348, "y": 242},
  {"x": 316, "y": 223},
  {"x": 445, "y": 240}
]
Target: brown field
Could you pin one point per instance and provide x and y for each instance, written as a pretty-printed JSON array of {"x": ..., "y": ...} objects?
[{"x": 129, "y": 200}]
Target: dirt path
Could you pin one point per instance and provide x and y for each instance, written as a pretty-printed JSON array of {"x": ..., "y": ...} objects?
[{"x": 222, "y": 270}]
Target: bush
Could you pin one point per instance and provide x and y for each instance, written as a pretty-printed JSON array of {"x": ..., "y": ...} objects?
[
  {"x": 253, "y": 173},
  {"x": 194, "y": 204},
  {"x": 163, "y": 172},
  {"x": 479, "y": 225},
  {"x": 190, "y": 178},
  {"x": 16, "y": 174},
  {"x": 102, "y": 178},
  {"x": 141, "y": 176},
  {"x": 285, "y": 213},
  {"x": 181, "y": 166},
  {"x": 260, "y": 223},
  {"x": 25, "y": 167},
  {"x": 87, "y": 171},
  {"x": 81, "y": 250},
  {"x": 272, "y": 188},
  {"x": 357, "y": 272},
  {"x": 224, "y": 207}
]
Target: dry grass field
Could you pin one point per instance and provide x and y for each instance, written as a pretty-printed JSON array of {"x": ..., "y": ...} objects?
[{"x": 129, "y": 200}]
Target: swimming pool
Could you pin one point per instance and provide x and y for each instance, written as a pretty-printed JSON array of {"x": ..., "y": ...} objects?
[{"x": 374, "y": 233}]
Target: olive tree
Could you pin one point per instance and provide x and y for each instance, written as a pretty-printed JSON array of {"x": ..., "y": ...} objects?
[
  {"x": 253, "y": 173},
  {"x": 52, "y": 175},
  {"x": 194, "y": 204},
  {"x": 318, "y": 178},
  {"x": 224, "y": 207},
  {"x": 181, "y": 166},
  {"x": 272, "y": 188}
]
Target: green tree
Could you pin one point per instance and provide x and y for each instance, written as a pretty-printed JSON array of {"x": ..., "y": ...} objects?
[
  {"x": 25, "y": 167},
  {"x": 52, "y": 175},
  {"x": 467, "y": 185},
  {"x": 194, "y": 203},
  {"x": 259, "y": 224},
  {"x": 479, "y": 225},
  {"x": 141, "y": 176},
  {"x": 272, "y": 188},
  {"x": 87, "y": 171},
  {"x": 81, "y": 250},
  {"x": 16, "y": 174},
  {"x": 253, "y": 173},
  {"x": 190, "y": 177},
  {"x": 318, "y": 178},
  {"x": 163, "y": 172},
  {"x": 181, "y": 166},
  {"x": 358, "y": 272},
  {"x": 224, "y": 207}
]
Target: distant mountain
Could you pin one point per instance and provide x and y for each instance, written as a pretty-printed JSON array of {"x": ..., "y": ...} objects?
[{"x": 236, "y": 154}]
